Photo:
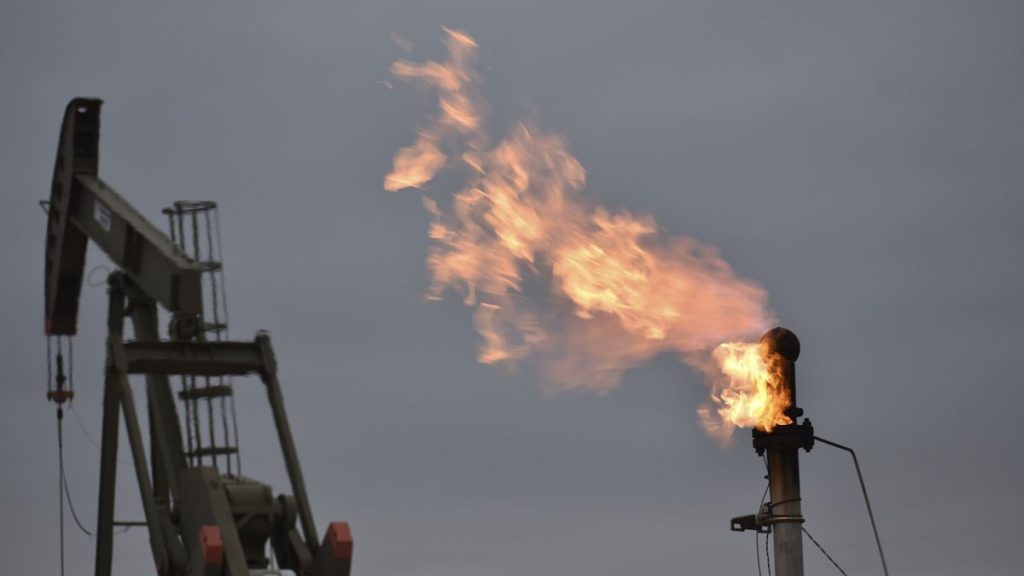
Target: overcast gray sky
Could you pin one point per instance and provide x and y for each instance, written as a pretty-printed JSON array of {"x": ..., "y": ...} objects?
[{"x": 862, "y": 160}]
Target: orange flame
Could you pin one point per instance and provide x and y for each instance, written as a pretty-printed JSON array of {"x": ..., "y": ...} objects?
[
  {"x": 748, "y": 390},
  {"x": 618, "y": 291}
]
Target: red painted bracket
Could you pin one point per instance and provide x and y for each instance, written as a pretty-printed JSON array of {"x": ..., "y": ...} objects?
[
  {"x": 212, "y": 545},
  {"x": 339, "y": 536}
]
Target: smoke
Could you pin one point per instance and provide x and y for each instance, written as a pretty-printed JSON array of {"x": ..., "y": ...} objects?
[{"x": 582, "y": 291}]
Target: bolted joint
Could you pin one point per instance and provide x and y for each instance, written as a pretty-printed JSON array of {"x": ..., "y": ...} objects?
[{"x": 788, "y": 436}]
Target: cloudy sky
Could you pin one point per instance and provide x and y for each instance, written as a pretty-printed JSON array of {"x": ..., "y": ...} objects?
[{"x": 861, "y": 160}]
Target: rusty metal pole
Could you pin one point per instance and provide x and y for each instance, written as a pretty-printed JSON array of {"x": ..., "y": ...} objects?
[{"x": 782, "y": 445}]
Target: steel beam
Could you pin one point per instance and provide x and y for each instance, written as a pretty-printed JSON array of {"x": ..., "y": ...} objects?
[
  {"x": 195, "y": 358},
  {"x": 284, "y": 434},
  {"x": 136, "y": 246},
  {"x": 168, "y": 453},
  {"x": 118, "y": 377},
  {"x": 108, "y": 450}
]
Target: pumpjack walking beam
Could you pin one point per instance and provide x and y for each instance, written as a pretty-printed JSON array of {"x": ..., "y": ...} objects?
[{"x": 200, "y": 521}]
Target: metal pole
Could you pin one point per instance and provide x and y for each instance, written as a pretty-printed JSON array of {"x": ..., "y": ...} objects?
[
  {"x": 782, "y": 347},
  {"x": 787, "y": 537}
]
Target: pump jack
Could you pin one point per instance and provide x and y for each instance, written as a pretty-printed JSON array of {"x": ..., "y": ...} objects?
[{"x": 199, "y": 520}]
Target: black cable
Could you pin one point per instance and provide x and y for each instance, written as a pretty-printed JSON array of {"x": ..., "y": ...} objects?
[
  {"x": 60, "y": 486},
  {"x": 757, "y": 551},
  {"x": 757, "y": 543},
  {"x": 71, "y": 366},
  {"x": 768, "y": 477},
  {"x": 88, "y": 436},
  {"x": 864, "y": 490},
  {"x": 99, "y": 268},
  {"x": 827, "y": 555},
  {"x": 781, "y": 502},
  {"x": 71, "y": 504}
]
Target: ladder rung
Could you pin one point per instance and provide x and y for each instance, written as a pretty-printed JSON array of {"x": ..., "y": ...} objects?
[
  {"x": 200, "y": 452},
  {"x": 205, "y": 392}
]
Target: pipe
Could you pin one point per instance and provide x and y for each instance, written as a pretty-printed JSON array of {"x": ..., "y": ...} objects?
[{"x": 782, "y": 346}]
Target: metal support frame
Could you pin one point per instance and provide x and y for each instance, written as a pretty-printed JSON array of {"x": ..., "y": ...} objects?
[
  {"x": 167, "y": 450},
  {"x": 199, "y": 494},
  {"x": 119, "y": 400},
  {"x": 199, "y": 521}
]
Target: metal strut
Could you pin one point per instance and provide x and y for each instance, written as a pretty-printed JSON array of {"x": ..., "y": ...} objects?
[
  {"x": 864, "y": 491},
  {"x": 204, "y": 498}
]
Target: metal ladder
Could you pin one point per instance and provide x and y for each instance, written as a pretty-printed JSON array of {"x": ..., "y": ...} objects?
[{"x": 195, "y": 230}]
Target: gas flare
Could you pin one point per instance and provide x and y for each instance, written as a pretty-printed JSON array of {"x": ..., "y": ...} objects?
[
  {"x": 613, "y": 290},
  {"x": 748, "y": 390}
]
